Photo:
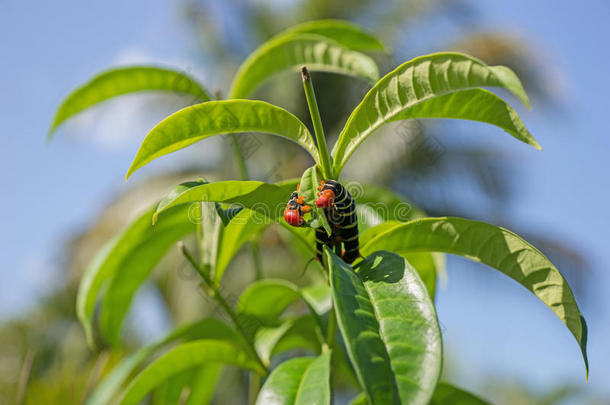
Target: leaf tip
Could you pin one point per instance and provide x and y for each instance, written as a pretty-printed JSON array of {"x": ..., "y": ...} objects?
[
  {"x": 131, "y": 170},
  {"x": 305, "y": 74},
  {"x": 583, "y": 345},
  {"x": 50, "y": 134}
]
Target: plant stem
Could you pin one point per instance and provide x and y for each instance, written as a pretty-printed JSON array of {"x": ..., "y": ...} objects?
[
  {"x": 223, "y": 303},
  {"x": 317, "y": 124},
  {"x": 256, "y": 258},
  {"x": 199, "y": 232},
  {"x": 24, "y": 376},
  {"x": 239, "y": 158}
]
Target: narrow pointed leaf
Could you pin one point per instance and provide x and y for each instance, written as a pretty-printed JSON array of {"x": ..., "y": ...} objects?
[
  {"x": 299, "y": 381},
  {"x": 447, "y": 394},
  {"x": 498, "y": 248},
  {"x": 345, "y": 33},
  {"x": 422, "y": 87},
  {"x": 195, "y": 123},
  {"x": 184, "y": 357},
  {"x": 126, "y": 80},
  {"x": 389, "y": 327},
  {"x": 124, "y": 261},
  {"x": 109, "y": 387},
  {"x": 266, "y": 199},
  {"x": 291, "y": 52}
]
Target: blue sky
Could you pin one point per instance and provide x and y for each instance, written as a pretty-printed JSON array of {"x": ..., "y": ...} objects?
[{"x": 51, "y": 191}]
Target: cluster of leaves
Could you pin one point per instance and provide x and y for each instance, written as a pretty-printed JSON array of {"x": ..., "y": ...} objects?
[{"x": 389, "y": 339}]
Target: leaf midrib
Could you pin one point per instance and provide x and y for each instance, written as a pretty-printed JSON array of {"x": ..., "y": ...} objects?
[{"x": 381, "y": 337}]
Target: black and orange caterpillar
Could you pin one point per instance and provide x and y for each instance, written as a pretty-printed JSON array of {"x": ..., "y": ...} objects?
[{"x": 340, "y": 210}]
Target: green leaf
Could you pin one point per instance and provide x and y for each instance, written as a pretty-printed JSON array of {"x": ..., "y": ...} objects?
[
  {"x": 303, "y": 333},
  {"x": 441, "y": 85},
  {"x": 207, "y": 328},
  {"x": 264, "y": 301},
  {"x": 360, "y": 399},
  {"x": 298, "y": 381},
  {"x": 389, "y": 327},
  {"x": 240, "y": 230},
  {"x": 291, "y": 52},
  {"x": 195, "y": 123},
  {"x": 266, "y": 339},
  {"x": 345, "y": 33},
  {"x": 124, "y": 263},
  {"x": 226, "y": 215},
  {"x": 194, "y": 386},
  {"x": 209, "y": 234},
  {"x": 183, "y": 357},
  {"x": 267, "y": 299},
  {"x": 428, "y": 264},
  {"x": 203, "y": 384},
  {"x": 308, "y": 188},
  {"x": 447, "y": 394},
  {"x": 173, "y": 391},
  {"x": 266, "y": 199},
  {"x": 126, "y": 80},
  {"x": 498, "y": 248}
]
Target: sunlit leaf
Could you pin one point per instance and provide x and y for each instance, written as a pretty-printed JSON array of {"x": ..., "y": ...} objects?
[
  {"x": 389, "y": 327},
  {"x": 124, "y": 263},
  {"x": 447, "y": 394},
  {"x": 498, "y": 248},
  {"x": 205, "y": 329},
  {"x": 291, "y": 52},
  {"x": 441, "y": 85},
  {"x": 183, "y": 357},
  {"x": 266, "y": 199},
  {"x": 345, "y": 33},
  {"x": 298, "y": 381},
  {"x": 195, "y": 123},
  {"x": 126, "y": 80}
]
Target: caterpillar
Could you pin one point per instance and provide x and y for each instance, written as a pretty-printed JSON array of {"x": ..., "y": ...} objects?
[
  {"x": 295, "y": 209},
  {"x": 340, "y": 211}
]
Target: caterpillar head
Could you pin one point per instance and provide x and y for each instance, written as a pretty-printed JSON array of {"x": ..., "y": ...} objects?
[
  {"x": 325, "y": 199},
  {"x": 293, "y": 217}
]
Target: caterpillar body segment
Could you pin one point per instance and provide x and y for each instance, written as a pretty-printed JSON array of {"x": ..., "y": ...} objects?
[{"x": 340, "y": 209}]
